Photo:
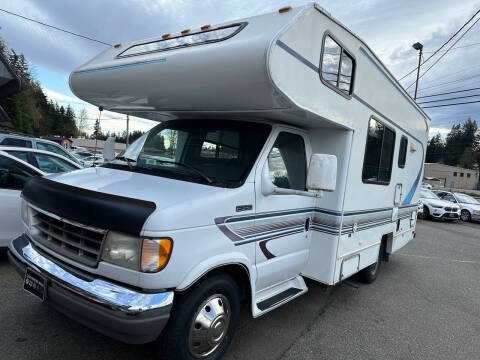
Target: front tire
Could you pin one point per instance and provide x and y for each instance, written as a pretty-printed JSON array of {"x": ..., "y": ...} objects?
[
  {"x": 203, "y": 321},
  {"x": 465, "y": 215}
]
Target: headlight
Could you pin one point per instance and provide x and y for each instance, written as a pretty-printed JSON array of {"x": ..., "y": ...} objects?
[
  {"x": 147, "y": 255},
  {"x": 25, "y": 215}
]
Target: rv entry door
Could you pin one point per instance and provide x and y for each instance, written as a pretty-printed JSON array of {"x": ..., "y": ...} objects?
[{"x": 282, "y": 221}]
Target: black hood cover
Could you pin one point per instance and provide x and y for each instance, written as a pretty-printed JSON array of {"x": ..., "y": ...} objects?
[{"x": 106, "y": 211}]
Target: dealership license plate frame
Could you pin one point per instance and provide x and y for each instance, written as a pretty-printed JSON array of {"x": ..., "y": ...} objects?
[{"x": 35, "y": 283}]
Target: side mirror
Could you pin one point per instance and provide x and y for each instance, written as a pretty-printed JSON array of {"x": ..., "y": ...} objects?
[
  {"x": 322, "y": 172},
  {"x": 109, "y": 149}
]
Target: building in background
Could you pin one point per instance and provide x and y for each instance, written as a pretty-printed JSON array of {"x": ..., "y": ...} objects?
[
  {"x": 90, "y": 144},
  {"x": 440, "y": 175}
]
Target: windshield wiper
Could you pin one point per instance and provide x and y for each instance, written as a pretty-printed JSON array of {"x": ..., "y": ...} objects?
[
  {"x": 127, "y": 160},
  {"x": 190, "y": 167}
]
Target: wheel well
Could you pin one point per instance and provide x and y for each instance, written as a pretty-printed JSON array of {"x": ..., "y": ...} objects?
[{"x": 237, "y": 272}]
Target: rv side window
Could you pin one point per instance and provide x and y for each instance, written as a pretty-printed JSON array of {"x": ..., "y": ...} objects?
[
  {"x": 377, "y": 165},
  {"x": 287, "y": 162},
  {"x": 402, "y": 154},
  {"x": 337, "y": 66}
]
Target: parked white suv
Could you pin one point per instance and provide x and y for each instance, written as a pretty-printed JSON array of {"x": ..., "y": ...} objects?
[
  {"x": 436, "y": 208},
  {"x": 9, "y": 139},
  {"x": 469, "y": 206}
]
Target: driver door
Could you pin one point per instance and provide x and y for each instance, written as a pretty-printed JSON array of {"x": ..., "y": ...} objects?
[{"x": 282, "y": 221}]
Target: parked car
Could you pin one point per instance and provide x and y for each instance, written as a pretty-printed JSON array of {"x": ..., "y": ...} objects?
[
  {"x": 426, "y": 186},
  {"x": 14, "y": 174},
  {"x": 24, "y": 141},
  {"x": 82, "y": 154},
  {"x": 436, "y": 208},
  {"x": 45, "y": 161},
  {"x": 469, "y": 206},
  {"x": 94, "y": 159},
  {"x": 17, "y": 166}
]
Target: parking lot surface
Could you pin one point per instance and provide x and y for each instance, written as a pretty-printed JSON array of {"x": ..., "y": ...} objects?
[{"x": 425, "y": 304}]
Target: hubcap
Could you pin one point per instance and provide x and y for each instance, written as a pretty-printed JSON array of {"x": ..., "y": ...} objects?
[
  {"x": 209, "y": 326},
  {"x": 464, "y": 216}
]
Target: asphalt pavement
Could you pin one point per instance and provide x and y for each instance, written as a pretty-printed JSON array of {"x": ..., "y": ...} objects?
[{"x": 425, "y": 304}]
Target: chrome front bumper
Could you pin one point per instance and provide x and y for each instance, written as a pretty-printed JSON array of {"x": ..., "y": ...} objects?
[{"x": 124, "y": 308}]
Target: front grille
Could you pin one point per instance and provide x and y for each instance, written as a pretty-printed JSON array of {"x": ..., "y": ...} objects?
[
  {"x": 448, "y": 209},
  {"x": 454, "y": 209},
  {"x": 75, "y": 241}
]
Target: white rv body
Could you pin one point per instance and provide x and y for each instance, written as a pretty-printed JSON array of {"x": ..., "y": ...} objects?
[{"x": 269, "y": 72}]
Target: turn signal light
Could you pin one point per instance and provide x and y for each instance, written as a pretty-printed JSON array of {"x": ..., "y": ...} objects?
[
  {"x": 116, "y": 46},
  {"x": 186, "y": 31},
  {"x": 155, "y": 254},
  {"x": 205, "y": 27}
]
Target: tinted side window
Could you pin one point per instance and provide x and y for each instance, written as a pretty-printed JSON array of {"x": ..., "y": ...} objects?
[
  {"x": 337, "y": 66},
  {"x": 287, "y": 162},
  {"x": 17, "y": 142},
  {"x": 402, "y": 153},
  {"x": 52, "y": 164},
  {"x": 22, "y": 155},
  {"x": 377, "y": 165},
  {"x": 14, "y": 175}
]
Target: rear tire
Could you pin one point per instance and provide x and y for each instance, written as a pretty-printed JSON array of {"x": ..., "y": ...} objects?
[
  {"x": 465, "y": 215},
  {"x": 203, "y": 320},
  {"x": 369, "y": 274}
]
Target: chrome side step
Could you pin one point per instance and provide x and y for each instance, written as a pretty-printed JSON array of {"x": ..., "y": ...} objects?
[{"x": 276, "y": 299}]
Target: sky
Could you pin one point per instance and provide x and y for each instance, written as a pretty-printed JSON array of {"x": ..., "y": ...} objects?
[{"x": 389, "y": 27}]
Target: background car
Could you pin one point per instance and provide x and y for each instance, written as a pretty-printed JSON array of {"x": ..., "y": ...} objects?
[
  {"x": 17, "y": 166},
  {"x": 426, "y": 186},
  {"x": 14, "y": 174},
  {"x": 97, "y": 159},
  {"x": 469, "y": 206},
  {"x": 8, "y": 139},
  {"x": 45, "y": 161},
  {"x": 436, "y": 208}
]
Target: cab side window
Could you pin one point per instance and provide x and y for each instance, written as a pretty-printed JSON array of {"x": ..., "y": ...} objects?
[
  {"x": 14, "y": 175},
  {"x": 17, "y": 142},
  {"x": 287, "y": 162}
]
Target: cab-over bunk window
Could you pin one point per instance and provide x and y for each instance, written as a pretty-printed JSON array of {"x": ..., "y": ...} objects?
[
  {"x": 337, "y": 67},
  {"x": 377, "y": 164}
]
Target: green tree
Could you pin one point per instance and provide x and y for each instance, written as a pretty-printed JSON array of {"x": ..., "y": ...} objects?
[{"x": 435, "y": 149}]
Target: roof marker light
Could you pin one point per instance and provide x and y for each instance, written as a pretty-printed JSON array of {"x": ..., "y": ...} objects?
[
  {"x": 186, "y": 31},
  {"x": 116, "y": 46},
  {"x": 284, "y": 9},
  {"x": 205, "y": 27},
  {"x": 164, "y": 36}
]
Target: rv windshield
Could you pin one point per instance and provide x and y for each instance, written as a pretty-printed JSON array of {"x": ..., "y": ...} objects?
[{"x": 212, "y": 152}]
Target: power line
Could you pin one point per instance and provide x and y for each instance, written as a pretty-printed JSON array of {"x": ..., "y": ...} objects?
[
  {"x": 449, "y": 82},
  {"x": 446, "y": 93},
  {"x": 453, "y": 98},
  {"x": 454, "y": 104},
  {"x": 54, "y": 27},
  {"x": 446, "y": 52},
  {"x": 455, "y": 48},
  {"x": 440, "y": 48}
]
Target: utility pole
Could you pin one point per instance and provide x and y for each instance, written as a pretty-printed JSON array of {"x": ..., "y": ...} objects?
[
  {"x": 419, "y": 47},
  {"x": 128, "y": 134}
]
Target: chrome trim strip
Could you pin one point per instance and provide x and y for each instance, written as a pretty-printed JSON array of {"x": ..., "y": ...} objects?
[{"x": 98, "y": 291}]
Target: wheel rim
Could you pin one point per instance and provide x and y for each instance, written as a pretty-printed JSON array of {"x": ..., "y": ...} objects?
[
  {"x": 464, "y": 215},
  {"x": 374, "y": 268},
  {"x": 209, "y": 326}
]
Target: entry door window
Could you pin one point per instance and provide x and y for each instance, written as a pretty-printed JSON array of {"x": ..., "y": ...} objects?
[{"x": 287, "y": 162}]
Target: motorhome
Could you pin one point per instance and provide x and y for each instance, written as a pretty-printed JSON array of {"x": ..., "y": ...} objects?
[{"x": 285, "y": 150}]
